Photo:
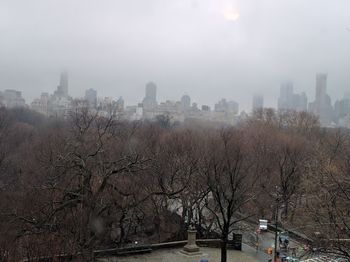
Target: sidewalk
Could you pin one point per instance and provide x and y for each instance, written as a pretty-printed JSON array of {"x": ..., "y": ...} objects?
[
  {"x": 174, "y": 255},
  {"x": 258, "y": 254}
]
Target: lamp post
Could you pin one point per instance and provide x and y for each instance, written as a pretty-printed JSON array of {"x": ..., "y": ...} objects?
[
  {"x": 276, "y": 223},
  {"x": 276, "y": 230}
]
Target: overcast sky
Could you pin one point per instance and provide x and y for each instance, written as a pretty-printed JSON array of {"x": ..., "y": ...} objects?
[{"x": 207, "y": 49}]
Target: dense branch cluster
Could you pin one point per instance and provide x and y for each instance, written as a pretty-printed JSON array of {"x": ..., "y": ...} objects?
[{"x": 70, "y": 187}]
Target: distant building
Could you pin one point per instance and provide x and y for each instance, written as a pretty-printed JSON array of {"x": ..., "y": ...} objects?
[
  {"x": 150, "y": 100},
  {"x": 149, "y": 103},
  {"x": 12, "y": 98},
  {"x": 227, "y": 106},
  {"x": 79, "y": 103},
  {"x": 91, "y": 97},
  {"x": 62, "y": 88},
  {"x": 194, "y": 107},
  {"x": 107, "y": 107},
  {"x": 285, "y": 100},
  {"x": 342, "y": 111},
  {"x": 258, "y": 102},
  {"x": 322, "y": 105},
  {"x": 60, "y": 103},
  {"x": 172, "y": 109},
  {"x": 185, "y": 102},
  {"x": 221, "y": 106},
  {"x": 41, "y": 104},
  {"x": 321, "y": 94},
  {"x": 134, "y": 113},
  {"x": 342, "y": 107},
  {"x": 300, "y": 102},
  {"x": 321, "y": 91},
  {"x": 2, "y": 103},
  {"x": 290, "y": 101},
  {"x": 233, "y": 107},
  {"x": 205, "y": 108},
  {"x": 120, "y": 105}
]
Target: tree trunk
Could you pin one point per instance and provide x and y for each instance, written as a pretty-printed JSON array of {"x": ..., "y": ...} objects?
[
  {"x": 285, "y": 208},
  {"x": 224, "y": 242},
  {"x": 224, "y": 249},
  {"x": 122, "y": 229}
]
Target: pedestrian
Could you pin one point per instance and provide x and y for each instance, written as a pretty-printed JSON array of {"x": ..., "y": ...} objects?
[
  {"x": 286, "y": 242},
  {"x": 277, "y": 259},
  {"x": 269, "y": 251}
]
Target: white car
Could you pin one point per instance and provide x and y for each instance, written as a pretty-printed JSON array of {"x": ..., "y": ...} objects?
[{"x": 263, "y": 224}]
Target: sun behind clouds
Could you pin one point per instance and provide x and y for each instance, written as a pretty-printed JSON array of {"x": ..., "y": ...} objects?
[{"x": 230, "y": 12}]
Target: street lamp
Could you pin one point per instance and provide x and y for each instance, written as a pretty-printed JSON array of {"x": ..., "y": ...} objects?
[{"x": 276, "y": 221}]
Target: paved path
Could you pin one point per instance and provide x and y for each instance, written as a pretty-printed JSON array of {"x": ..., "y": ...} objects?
[
  {"x": 259, "y": 255},
  {"x": 173, "y": 255}
]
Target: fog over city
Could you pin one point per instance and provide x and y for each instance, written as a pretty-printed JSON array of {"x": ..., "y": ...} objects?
[
  {"x": 175, "y": 130},
  {"x": 208, "y": 49}
]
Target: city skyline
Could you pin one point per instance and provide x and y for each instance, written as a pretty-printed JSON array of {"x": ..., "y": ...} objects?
[
  {"x": 246, "y": 105},
  {"x": 270, "y": 98},
  {"x": 209, "y": 49},
  {"x": 272, "y": 102},
  {"x": 60, "y": 102}
]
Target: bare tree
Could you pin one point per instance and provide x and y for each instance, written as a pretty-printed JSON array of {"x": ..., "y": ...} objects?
[
  {"x": 226, "y": 168},
  {"x": 326, "y": 219},
  {"x": 281, "y": 142},
  {"x": 77, "y": 166},
  {"x": 290, "y": 158}
]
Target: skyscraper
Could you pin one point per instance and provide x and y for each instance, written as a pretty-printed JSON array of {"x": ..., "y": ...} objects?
[
  {"x": 150, "y": 100},
  {"x": 91, "y": 97},
  {"x": 321, "y": 92},
  {"x": 258, "y": 102},
  {"x": 64, "y": 83},
  {"x": 185, "y": 102},
  {"x": 285, "y": 100},
  {"x": 62, "y": 88},
  {"x": 288, "y": 100},
  {"x": 322, "y": 106}
]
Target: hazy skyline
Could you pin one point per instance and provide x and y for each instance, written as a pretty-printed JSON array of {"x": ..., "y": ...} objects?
[{"x": 207, "y": 49}]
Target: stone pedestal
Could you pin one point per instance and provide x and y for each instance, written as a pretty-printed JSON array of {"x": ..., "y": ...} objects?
[{"x": 191, "y": 248}]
